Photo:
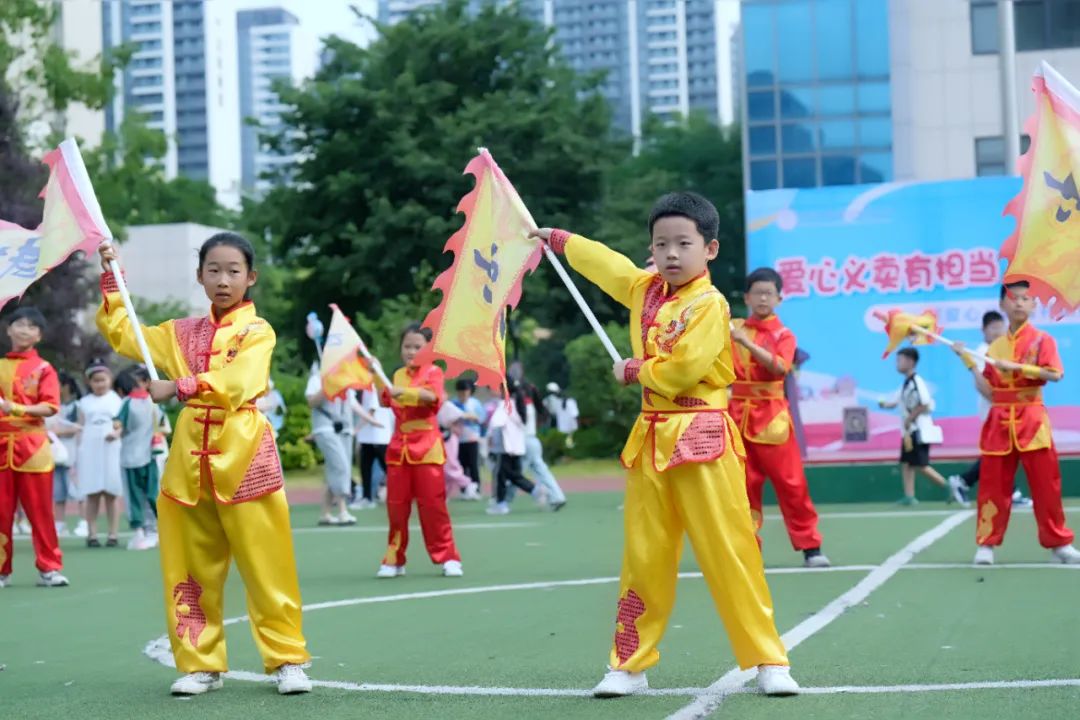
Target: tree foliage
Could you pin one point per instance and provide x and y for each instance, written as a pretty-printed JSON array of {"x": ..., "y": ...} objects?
[{"x": 387, "y": 130}]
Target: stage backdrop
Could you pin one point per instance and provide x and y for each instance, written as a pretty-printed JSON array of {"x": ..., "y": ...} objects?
[{"x": 845, "y": 252}]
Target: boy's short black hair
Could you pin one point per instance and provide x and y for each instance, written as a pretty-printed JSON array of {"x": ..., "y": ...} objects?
[
  {"x": 31, "y": 313},
  {"x": 992, "y": 316},
  {"x": 691, "y": 206},
  {"x": 910, "y": 353},
  {"x": 464, "y": 384},
  {"x": 765, "y": 274},
  {"x": 1019, "y": 284}
]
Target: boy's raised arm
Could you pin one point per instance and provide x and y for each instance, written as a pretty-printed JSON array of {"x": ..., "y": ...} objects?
[{"x": 612, "y": 272}]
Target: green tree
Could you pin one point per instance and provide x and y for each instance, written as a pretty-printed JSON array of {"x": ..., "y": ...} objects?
[
  {"x": 692, "y": 154},
  {"x": 38, "y": 81},
  {"x": 386, "y": 131},
  {"x": 607, "y": 409}
]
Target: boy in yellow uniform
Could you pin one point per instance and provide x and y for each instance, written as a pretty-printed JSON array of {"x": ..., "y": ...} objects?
[{"x": 684, "y": 456}]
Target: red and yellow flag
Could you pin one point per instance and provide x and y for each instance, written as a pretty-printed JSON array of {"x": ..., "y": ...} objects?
[
  {"x": 1045, "y": 248},
  {"x": 341, "y": 368},
  {"x": 899, "y": 325},
  {"x": 71, "y": 221},
  {"x": 492, "y": 252}
]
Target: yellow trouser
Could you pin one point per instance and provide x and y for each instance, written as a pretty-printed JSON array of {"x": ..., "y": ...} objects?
[
  {"x": 708, "y": 500},
  {"x": 196, "y": 544}
]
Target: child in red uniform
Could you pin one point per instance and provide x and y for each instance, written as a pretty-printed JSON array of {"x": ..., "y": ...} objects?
[
  {"x": 764, "y": 355},
  {"x": 415, "y": 461},
  {"x": 1017, "y": 430},
  {"x": 29, "y": 393}
]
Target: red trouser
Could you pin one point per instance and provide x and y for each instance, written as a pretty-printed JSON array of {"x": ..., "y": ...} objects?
[
  {"x": 35, "y": 492},
  {"x": 426, "y": 485},
  {"x": 783, "y": 465},
  {"x": 996, "y": 476}
]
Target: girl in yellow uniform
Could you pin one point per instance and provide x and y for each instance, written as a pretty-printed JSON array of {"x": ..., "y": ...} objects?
[{"x": 222, "y": 489}]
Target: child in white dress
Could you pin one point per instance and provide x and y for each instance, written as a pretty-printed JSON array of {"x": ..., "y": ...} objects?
[{"x": 99, "y": 452}]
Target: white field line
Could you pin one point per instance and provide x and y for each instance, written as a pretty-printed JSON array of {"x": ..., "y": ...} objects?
[
  {"x": 713, "y": 696},
  {"x": 473, "y": 690},
  {"x": 360, "y": 529}
]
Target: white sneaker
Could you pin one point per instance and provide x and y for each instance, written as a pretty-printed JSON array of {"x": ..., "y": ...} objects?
[
  {"x": 817, "y": 561},
  {"x": 52, "y": 579},
  {"x": 390, "y": 571},
  {"x": 138, "y": 540},
  {"x": 452, "y": 568},
  {"x": 291, "y": 679},
  {"x": 5, "y": 580},
  {"x": 1018, "y": 500},
  {"x": 499, "y": 509},
  {"x": 345, "y": 518},
  {"x": 23, "y": 528},
  {"x": 958, "y": 491},
  {"x": 82, "y": 529},
  {"x": 984, "y": 555},
  {"x": 328, "y": 520},
  {"x": 362, "y": 504},
  {"x": 61, "y": 529},
  {"x": 776, "y": 681},
  {"x": 197, "y": 683},
  {"x": 151, "y": 540},
  {"x": 620, "y": 683},
  {"x": 472, "y": 492},
  {"x": 1067, "y": 554}
]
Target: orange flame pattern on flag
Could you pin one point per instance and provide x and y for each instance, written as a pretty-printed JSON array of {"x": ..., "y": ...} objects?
[
  {"x": 492, "y": 253},
  {"x": 898, "y": 325},
  {"x": 1045, "y": 248},
  {"x": 341, "y": 368}
]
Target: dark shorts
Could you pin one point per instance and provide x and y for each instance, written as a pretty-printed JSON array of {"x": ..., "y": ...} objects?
[{"x": 917, "y": 456}]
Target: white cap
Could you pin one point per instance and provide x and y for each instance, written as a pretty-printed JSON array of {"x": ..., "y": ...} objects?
[{"x": 553, "y": 387}]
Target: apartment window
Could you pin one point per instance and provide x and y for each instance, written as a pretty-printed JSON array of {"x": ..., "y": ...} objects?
[
  {"x": 1039, "y": 24},
  {"x": 990, "y": 154}
]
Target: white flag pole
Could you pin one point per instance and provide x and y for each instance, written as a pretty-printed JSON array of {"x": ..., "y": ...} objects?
[
  {"x": 73, "y": 159},
  {"x": 576, "y": 294}
]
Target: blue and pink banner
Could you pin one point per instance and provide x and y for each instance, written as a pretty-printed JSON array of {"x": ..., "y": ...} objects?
[{"x": 848, "y": 252}]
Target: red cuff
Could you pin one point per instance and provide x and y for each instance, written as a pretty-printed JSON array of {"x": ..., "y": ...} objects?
[
  {"x": 557, "y": 241},
  {"x": 186, "y": 388},
  {"x": 632, "y": 370},
  {"x": 108, "y": 283}
]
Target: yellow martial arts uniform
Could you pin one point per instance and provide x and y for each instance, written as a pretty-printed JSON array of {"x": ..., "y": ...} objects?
[
  {"x": 685, "y": 462},
  {"x": 223, "y": 484}
]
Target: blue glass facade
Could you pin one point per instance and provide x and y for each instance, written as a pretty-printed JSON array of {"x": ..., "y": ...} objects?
[{"x": 817, "y": 99}]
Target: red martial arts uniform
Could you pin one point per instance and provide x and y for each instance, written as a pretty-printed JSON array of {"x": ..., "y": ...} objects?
[
  {"x": 414, "y": 461},
  {"x": 760, "y": 410},
  {"x": 26, "y": 464},
  {"x": 1017, "y": 430}
]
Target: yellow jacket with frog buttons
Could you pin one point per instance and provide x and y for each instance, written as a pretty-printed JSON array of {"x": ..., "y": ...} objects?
[{"x": 681, "y": 339}]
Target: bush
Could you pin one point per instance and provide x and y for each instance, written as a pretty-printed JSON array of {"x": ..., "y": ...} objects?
[
  {"x": 597, "y": 442},
  {"x": 554, "y": 444},
  {"x": 297, "y": 455},
  {"x": 607, "y": 409}
]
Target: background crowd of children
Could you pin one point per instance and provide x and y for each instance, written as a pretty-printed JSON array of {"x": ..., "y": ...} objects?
[{"x": 108, "y": 442}]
